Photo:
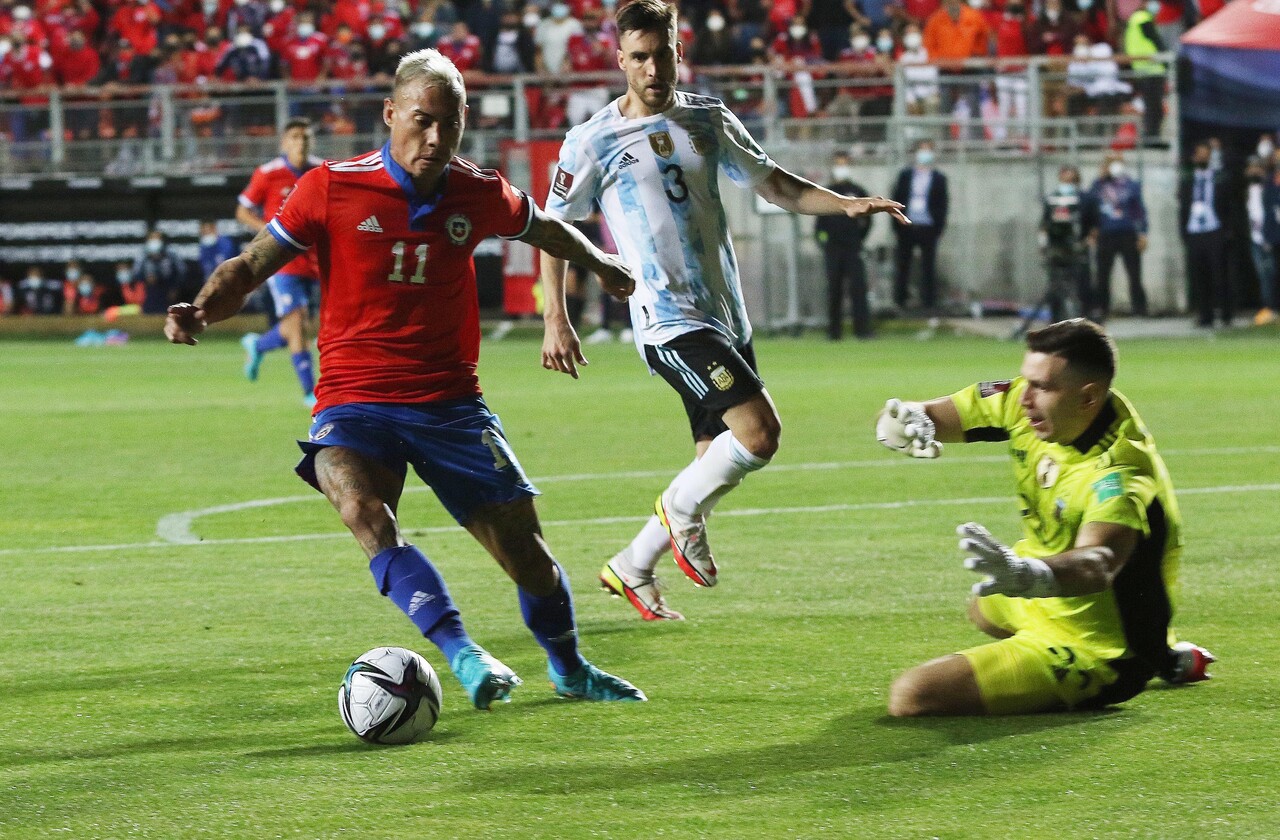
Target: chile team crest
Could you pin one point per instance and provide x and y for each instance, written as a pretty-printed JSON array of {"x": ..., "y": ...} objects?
[
  {"x": 458, "y": 227},
  {"x": 660, "y": 142}
]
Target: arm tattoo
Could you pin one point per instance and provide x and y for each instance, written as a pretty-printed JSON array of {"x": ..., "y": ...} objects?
[
  {"x": 559, "y": 239},
  {"x": 231, "y": 282}
]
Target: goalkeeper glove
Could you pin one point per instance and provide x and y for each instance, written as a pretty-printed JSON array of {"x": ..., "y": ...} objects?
[
  {"x": 907, "y": 430},
  {"x": 1019, "y": 577}
]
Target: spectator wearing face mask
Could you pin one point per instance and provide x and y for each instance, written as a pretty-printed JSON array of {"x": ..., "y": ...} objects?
[
  {"x": 247, "y": 13},
  {"x": 280, "y": 25},
  {"x": 137, "y": 22},
  {"x": 1095, "y": 23},
  {"x": 422, "y": 33},
  {"x": 1141, "y": 39},
  {"x": 461, "y": 47},
  {"x": 215, "y": 248},
  {"x": 1262, "y": 207},
  {"x": 1064, "y": 224},
  {"x": 1203, "y": 209},
  {"x": 75, "y": 67},
  {"x": 830, "y": 21},
  {"x": 923, "y": 191},
  {"x": 714, "y": 44},
  {"x": 841, "y": 240},
  {"x": 161, "y": 272},
  {"x": 869, "y": 98},
  {"x": 302, "y": 56},
  {"x": 793, "y": 50},
  {"x": 1118, "y": 228},
  {"x": 552, "y": 37},
  {"x": 922, "y": 90},
  {"x": 81, "y": 295},
  {"x": 512, "y": 49},
  {"x": 1054, "y": 31},
  {"x": 39, "y": 295},
  {"x": 1009, "y": 33},
  {"x": 246, "y": 60}
]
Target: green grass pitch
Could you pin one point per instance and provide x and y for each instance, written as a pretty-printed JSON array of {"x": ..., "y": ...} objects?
[{"x": 169, "y": 690}]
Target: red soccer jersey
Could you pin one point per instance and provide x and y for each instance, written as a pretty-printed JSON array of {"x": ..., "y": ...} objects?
[
  {"x": 399, "y": 317},
  {"x": 268, "y": 188},
  {"x": 304, "y": 57}
]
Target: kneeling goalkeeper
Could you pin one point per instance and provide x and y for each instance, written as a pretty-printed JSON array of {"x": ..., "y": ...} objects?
[{"x": 1080, "y": 605}]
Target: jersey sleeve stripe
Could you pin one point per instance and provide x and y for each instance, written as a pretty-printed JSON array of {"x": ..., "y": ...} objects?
[
  {"x": 283, "y": 236},
  {"x": 528, "y": 221},
  {"x": 248, "y": 203}
]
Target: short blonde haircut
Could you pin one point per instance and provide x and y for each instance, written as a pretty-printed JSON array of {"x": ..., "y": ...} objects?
[{"x": 433, "y": 69}]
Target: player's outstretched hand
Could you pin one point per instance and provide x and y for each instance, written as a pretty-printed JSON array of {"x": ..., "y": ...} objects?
[
  {"x": 1009, "y": 574},
  {"x": 561, "y": 349},
  {"x": 907, "y": 429},
  {"x": 184, "y": 322},
  {"x": 856, "y": 207},
  {"x": 616, "y": 278}
]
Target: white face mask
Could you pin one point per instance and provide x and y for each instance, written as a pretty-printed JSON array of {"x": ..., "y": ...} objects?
[
  {"x": 715, "y": 23},
  {"x": 122, "y": 276},
  {"x": 1266, "y": 148},
  {"x": 912, "y": 40},
  {"x": 422, "y": 29},
  {"x": 841, "y": 172},
  {"x": 977, "y": 4},
  {"x": 277, "y": 6},
  {"x": 884, "y": 45},
  {"x": 154, "y": 246},
  {"x": 1052, "y": 15},
  {"x": 1115, "y": 169},
  {"x": 242, "y": 2},
  {"x": 243, "y": 39},
  {"x": 1081, "y": 51},
  {"x": 85, "y": 288},
  {"x": 1154, "y": 8},
  {"x": 531, "y": 19},
  {"x": 208, "y": 240},
  {"x": 73, "y": 273},
  {"x": 306, "y": 30},
  {"x": 798, "y": 32},
  {"x": 861, "y": 42},
  {"x": 559, "y": 11},
  {"x": 376, "y": 32},
  {"x": 21, "y": 14},
  {"x": 210, "y": 9},
  {"x": 1085, "y": 5}
]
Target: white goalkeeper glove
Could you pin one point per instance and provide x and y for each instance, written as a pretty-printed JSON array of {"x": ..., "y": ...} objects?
[
  {"x": 907, "y": 430},
  {"x": 1019, "y": 577}
]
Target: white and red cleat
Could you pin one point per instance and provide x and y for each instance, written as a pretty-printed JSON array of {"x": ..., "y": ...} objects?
[
  {"x": 688, "y": 542},
  {"x": 644, "y": 594},
  {"x": 1192, "y": 664}
]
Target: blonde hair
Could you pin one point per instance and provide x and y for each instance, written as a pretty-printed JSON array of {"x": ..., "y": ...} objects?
[{"x": 434, "y": 69}]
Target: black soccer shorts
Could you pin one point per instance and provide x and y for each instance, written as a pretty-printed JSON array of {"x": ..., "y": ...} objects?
[{"x": 710, "y": 375}]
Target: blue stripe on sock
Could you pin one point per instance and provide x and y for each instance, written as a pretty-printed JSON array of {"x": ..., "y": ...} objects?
[{"x": 407, "y": 577}]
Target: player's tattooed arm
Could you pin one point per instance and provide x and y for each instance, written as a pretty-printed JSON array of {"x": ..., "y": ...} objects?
[
  {"x": 223, "y": 294},
  {"x": 562, "y": 240}
]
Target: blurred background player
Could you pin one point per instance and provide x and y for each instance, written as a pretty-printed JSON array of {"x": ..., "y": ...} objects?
[
  {"x": 291, "y": 287},
  {"x": 401, "y": 340},
  {"x": 650, "y": 161},
  {"x": 1082, "y": 603}
]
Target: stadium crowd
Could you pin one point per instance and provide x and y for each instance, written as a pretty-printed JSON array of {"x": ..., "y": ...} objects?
[{"x": 107, "y": 45}]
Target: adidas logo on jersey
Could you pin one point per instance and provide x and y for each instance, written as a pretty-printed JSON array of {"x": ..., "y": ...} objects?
[
  {"x": 370, "y": 225},
  {"x": 419, "y": 600},
  {"x": 627, "y": 160}
]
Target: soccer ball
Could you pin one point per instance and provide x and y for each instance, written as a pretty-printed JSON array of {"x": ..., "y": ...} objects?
[{"x": 390, "y": 695}]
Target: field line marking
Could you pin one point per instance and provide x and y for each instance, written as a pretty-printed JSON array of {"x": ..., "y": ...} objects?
[
  {"x": 176, "y": 527},
  {"x": 616, "y": 520}
]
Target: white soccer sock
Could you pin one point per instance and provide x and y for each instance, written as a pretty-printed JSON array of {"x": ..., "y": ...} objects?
[
  {"x": 642, "y": 556},
  {"x": 720, "y": 469}
]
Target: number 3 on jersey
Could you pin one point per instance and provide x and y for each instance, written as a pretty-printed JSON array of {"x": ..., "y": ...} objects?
[
  {"x": 419, "y": 271},
  {"x": 677, "y": 190}
]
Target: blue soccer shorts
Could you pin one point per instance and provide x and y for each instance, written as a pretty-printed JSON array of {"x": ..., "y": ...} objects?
[
  {"x": 290, "y": 292},
  {"x": 457, "y": 447}
]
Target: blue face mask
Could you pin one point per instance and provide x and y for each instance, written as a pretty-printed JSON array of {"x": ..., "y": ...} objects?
[
  {"x": 1154, "y": 8},
  {"x": 1066, "y": 189},
  {"x": 924, "y": 157},
  {"x": 1084, "y": 5}
]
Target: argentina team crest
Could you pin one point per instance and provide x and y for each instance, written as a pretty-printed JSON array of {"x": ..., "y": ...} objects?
[
  {"x": 458, "y": 227},
  {"x": 721, "y": 377},
  {"x": 661, "y": 143}
]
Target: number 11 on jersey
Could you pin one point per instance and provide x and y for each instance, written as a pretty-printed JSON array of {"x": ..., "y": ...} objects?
[{"x": 419, "y": 272}]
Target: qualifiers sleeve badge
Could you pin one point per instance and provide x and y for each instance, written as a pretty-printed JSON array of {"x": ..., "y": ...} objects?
[
  {"x": 562, "y": 183},
  {"x": 660, "y": 142}
]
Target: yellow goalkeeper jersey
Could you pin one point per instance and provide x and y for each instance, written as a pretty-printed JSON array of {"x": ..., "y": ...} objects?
[{"x": 1111, "y": 473}]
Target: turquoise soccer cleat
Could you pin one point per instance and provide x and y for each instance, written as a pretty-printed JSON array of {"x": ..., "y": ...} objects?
[
  {"x": 252, "y": 356},
  {"x": 484, "y": 678},
  {"x": 590, "y": 683}
]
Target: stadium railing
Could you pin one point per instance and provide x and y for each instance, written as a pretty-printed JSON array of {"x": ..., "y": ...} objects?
[{"x": 994, "y": 107}]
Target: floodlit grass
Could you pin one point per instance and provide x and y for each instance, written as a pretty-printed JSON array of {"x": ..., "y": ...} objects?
[{"x": 167, "y": 690}]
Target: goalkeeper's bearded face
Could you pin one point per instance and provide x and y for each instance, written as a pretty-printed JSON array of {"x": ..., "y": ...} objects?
[{"x": 1059, "y": 403}]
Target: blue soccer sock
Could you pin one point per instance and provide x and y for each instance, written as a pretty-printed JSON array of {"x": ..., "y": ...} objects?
[
  {"x": 271, "y": 340},
  {"x": 406, "y": 576},
  {"x": 550, "y": 619},
  {"x": 302, "y": 366}
]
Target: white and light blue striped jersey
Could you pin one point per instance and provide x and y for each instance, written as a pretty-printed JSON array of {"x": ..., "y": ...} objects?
[{"x": 655, "y": 181}]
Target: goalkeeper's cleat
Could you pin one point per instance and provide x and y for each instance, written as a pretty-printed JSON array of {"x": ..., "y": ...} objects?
[
  {"x": 252, "y": 356},
  {"x": 688, "y": 542},
  {"x": 644, "y": 594},
  {"x": 484, "y": 678},
  {"x": 590, "y": 683},
  {"x": 1191, "y": 664}
]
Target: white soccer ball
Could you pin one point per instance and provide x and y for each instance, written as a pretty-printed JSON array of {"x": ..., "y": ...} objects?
[{"x": 390, "y": 695}]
